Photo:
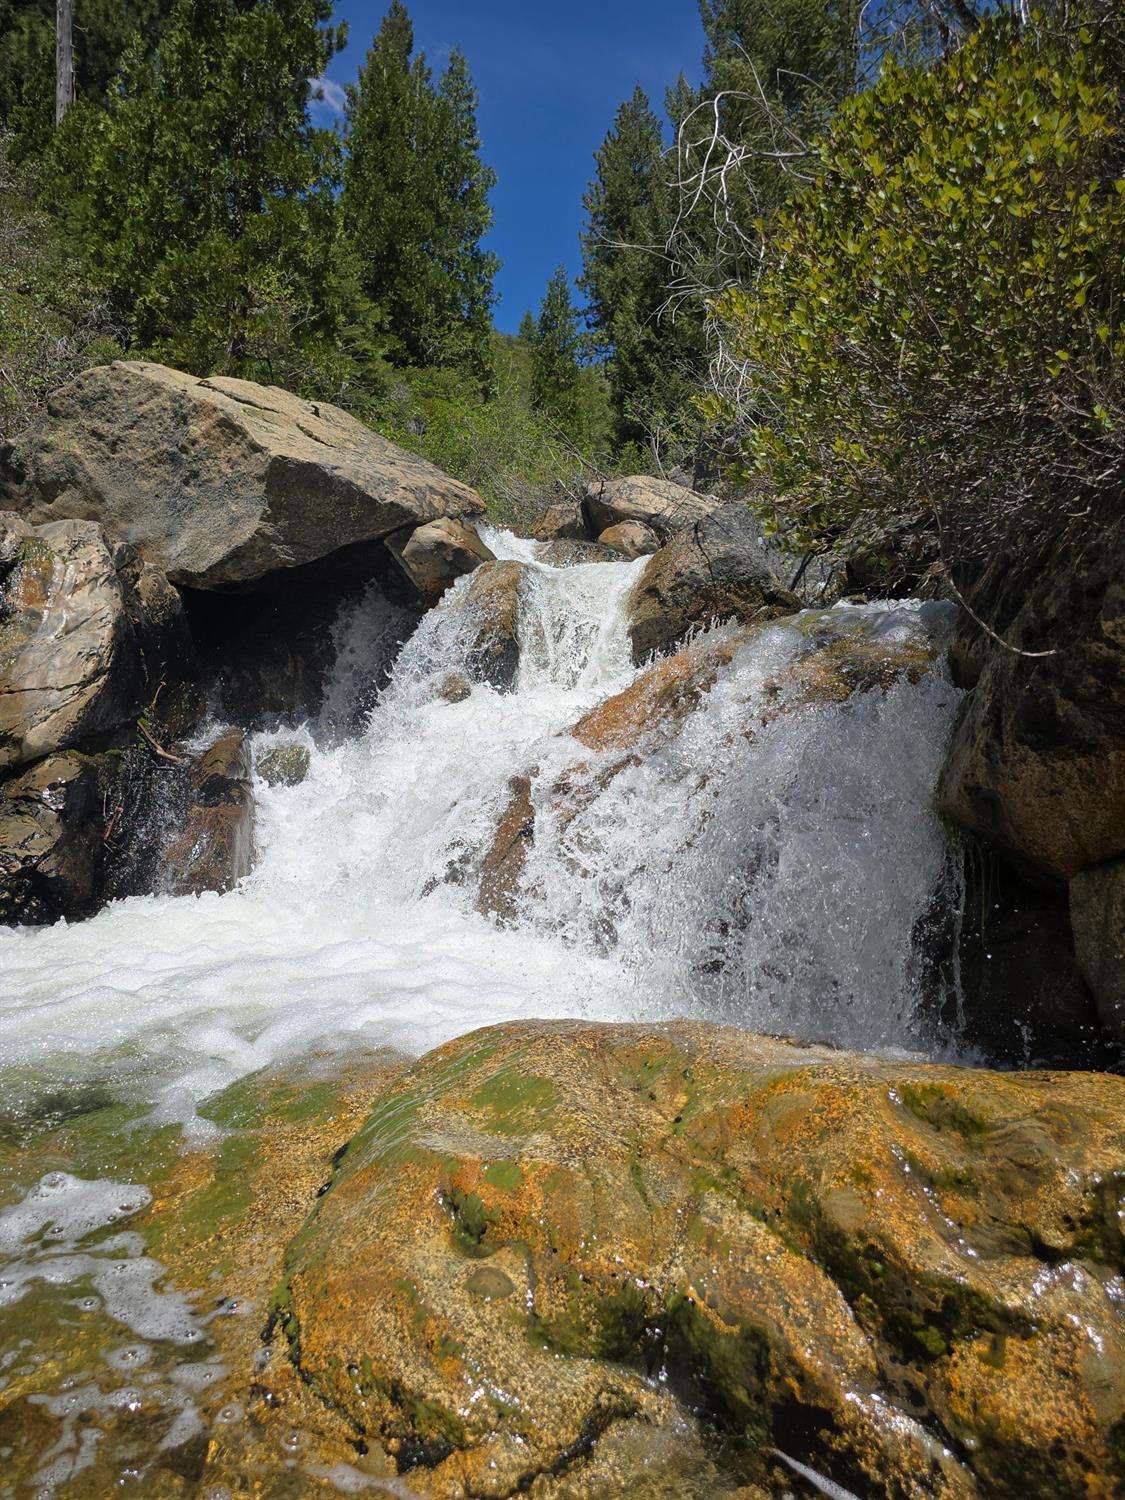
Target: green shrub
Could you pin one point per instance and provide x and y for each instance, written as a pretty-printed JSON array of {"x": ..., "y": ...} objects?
[{"x": 938, "y": 328}]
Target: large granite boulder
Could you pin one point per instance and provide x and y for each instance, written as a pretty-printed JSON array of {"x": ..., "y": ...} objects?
[
  {"x": 435, "y": 555},
  {"x": 220, "y": 482},
  {"x": 664, "y": 507},
  {"x": 715, "y": 570},
  {"x": 905, "y": 1277},
  {"x": 88, "y": 633},
  {"x": 1036, "y": 765}
]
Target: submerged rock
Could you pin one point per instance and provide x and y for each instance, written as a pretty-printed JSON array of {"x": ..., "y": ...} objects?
[
  {"x": 658, "y": 504},
  {"x": 715, "y": 571},
  {"x": 493, "y": 601},
  {"x": 220, "y": 481},
  {"x": 903, "y": 1274},
  {"x": 562, "y": 553},
  {"x": 88, "y": 634},
  {"x": 213, "y": 845},
  {"x": 835, "y": 659},
  {"x": 435, "y": 555},
  {"x": 284, "y": 765}
]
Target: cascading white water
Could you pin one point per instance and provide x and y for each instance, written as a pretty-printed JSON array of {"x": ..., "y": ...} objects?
[{"x": 774, "y": 881}]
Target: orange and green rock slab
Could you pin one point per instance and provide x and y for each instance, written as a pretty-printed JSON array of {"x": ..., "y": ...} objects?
[
  {"x": 909, "y": 1274},
  {"x": 571, "y": 1260}
]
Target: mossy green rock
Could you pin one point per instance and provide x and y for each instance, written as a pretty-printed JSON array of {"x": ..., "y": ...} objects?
[{"x": 905, "y": 1275}]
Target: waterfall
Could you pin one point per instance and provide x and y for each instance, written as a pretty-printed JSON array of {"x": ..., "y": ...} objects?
[{"x": 774, "y": 880}]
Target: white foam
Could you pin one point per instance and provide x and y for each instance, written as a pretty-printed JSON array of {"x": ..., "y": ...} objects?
[
  {"x": 65, "y": 1209},
  {"x": 354, "y": 931}
]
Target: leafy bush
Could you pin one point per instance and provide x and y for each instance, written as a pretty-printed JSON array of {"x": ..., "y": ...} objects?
[
  {"x": 518, "y": 459},
  {"x": 938, "y": 325}
]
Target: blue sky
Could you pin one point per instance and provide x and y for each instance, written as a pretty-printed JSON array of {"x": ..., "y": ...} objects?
[{"x": 551, "y": 77}]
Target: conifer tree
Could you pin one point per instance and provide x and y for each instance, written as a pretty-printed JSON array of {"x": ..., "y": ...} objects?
[
  {"x": 202, "y": 195},
  {"x": 629, "y": 205},
  {"x": 556, "y": 350},
  {"x": 415, "y": 202}
]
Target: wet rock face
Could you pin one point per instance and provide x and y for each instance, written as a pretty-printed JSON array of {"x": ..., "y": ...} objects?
[
  {"x": 663, "y": 507},
  {"x": 834, "y": 663},
  {"x": 435, "y": 555},
  {"x": 716, "y": 570},
  {"x": 1097, "y": 914},
  {"x": 213, "y": 845},
  {"x": 52, "y": 828},
  {"x": 220, "y": 481},
  {"x": 88, "y": 632},
  {"x": 1037, "y": 761},
  {"x": 903, "y": 1274},
  {"x": 284, "y": 765},
  {"x": 493, "y": 599}
]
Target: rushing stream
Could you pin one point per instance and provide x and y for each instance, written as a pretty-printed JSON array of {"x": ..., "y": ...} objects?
[
  {"x": 776, "y": 882},
  {"x": 821, "y": 826}
]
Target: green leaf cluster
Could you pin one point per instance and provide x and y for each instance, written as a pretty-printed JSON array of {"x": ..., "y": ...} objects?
[{"x": 939, "y": 322}]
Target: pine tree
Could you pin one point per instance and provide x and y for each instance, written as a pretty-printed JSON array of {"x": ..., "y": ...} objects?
[
  {"x": 415, "y": 202},
  {"x": 202, "y": 195},
  {"x": 465, "y": 270},
  {"x": 652, "y": 348},
  {"x": 556, "y": 350}
]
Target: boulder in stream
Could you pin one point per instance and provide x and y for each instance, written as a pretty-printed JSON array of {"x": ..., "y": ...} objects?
[
  {"x": 212, "y": 847},
  {"x": 716, "y": 570},
  {"x": 435, "y": 555},
  {"x": 662, "y": 506},
  {"x": 904, "y": 1276},
  {"x": 493, "y": 604},
  {"x": 221, "y": 481}
]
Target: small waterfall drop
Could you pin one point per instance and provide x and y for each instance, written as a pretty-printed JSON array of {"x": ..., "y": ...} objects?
[{"x": 773, "y": 880}]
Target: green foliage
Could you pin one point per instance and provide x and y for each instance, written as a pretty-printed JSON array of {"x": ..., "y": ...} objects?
[
  {"x": 52, "y": 325},
  {"x": 565, "y": 390},
  {"x": 203, "y": 198},
  {"x": 518, "y": 459},
  {"x": 415, "y": 203},
  {"x": 654, "y": 349},
  {"x": 938, "y": 326},
  {"x": 102, "y": 31}
]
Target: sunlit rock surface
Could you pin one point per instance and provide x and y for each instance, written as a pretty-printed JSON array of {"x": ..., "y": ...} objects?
[
  {"x": 220, "y": 481},
  {"x": 718, "y": 569},
  {"x": 662, "y": 506},
  {"x": 544, "y": 1230},
  {"x": 436, "y": 554},
  {"x": 88, "y": 633}
]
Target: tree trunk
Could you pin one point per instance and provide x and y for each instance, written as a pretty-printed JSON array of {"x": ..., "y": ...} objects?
[{"x": 64, "y": 57}]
